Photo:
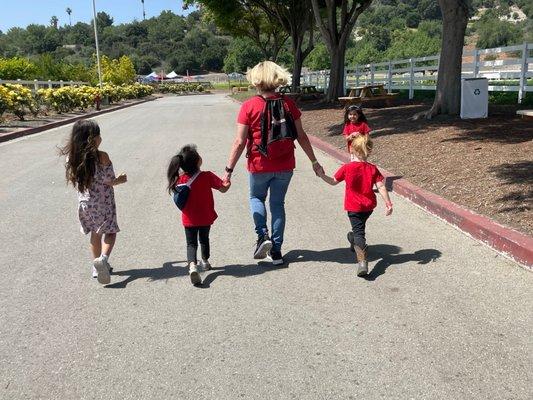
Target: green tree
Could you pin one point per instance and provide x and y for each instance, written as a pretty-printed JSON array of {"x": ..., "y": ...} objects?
[
  {"x": 243, "y": 53},
  {"x": 319, "y": 58},
  {"x": 496, "y": 33},
  {"x": 17, "y": 68}
]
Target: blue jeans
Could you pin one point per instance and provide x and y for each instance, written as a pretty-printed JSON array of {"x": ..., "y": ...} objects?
[{"x": 278, "y": 183}]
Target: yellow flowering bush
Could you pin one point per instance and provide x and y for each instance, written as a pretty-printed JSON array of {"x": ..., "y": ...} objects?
[
  {"x": 5, "y": 100},
  {"x": 19, "y": 100}
]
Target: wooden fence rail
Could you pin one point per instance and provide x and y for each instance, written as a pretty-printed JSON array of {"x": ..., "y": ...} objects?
[{"x": 421, "y": 73}]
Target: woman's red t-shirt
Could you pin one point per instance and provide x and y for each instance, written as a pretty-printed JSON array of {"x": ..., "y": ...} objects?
[
  {"x": 360, "y": 178},
  {"x": 357, "y": 127},
  {"x": 250, "y": 114},
  {"x": 200, "y": 207}
]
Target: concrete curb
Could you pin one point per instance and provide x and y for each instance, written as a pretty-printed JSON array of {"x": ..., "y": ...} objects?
[
  {"x": 37, "y": 129},
  {"x": 511, "y": 243}
]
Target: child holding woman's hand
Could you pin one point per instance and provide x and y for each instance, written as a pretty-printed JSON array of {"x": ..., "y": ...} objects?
[{"x": 359, "y": 198}]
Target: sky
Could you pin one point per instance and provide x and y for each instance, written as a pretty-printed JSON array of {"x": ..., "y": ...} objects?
[{"x": 24, "y": 12}]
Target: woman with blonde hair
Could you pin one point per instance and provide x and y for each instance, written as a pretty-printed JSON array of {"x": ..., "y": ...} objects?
[{"x": 267, "y": 126}]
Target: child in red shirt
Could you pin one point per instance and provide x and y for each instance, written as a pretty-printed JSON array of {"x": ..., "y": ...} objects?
[
  {"x": 359, "y": 198},
  {"x": 355, "y": 123},
  {"x": 199, "y": 212}
]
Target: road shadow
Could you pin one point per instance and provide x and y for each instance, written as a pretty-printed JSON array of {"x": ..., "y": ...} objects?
[
  {"x": 341, "y": 255},
  {"x": 421, "y": 257},
  {"x": 385, "y": 255},
  {"x": 167, "y": 271},
  {"x": 240, "y": 271}
]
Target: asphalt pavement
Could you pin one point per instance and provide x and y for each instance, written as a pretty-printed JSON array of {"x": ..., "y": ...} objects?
[{"x": 440, "y": 316}]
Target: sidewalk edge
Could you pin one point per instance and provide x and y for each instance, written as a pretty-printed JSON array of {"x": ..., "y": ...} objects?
[
  {"x": 37, "y": 129},
  {"x": 513, "y": 244}
]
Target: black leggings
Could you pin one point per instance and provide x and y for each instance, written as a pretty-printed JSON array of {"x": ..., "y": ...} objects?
[
  {"x": 358, "y": 221},
  {"x": 191, "y": 234}
]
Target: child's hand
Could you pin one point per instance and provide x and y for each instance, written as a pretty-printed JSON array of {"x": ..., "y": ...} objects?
[
  {"x": 389, "y": 209},
  {"x": 122, "y": 178},
  {"x": 226, "y": 183}
]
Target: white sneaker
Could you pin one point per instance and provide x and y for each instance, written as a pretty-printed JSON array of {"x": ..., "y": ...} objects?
[
  {"x": 205, "y": 265},
  {"x": 95, "y": 272},
  {"x": 102, "y": 270},
  {"x": 194, "y": 273}
]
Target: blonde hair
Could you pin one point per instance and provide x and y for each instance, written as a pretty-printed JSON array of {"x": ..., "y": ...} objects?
[
  {"x": 362, "y": 146},
  {"x": 267, "y": 76}
]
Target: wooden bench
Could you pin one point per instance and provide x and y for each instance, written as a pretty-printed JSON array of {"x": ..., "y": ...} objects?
[
  {"x": 525, "y": 114},
  {"x": 369, "y": 93}
]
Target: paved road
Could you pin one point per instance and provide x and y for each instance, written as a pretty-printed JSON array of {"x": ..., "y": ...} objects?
[{"x": 440, "y": 317}]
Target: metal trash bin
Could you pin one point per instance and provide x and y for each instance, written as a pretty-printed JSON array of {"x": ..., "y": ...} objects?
[{"x": 474, "y": 98}]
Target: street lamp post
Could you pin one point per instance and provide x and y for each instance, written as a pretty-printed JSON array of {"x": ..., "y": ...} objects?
[{"x": 97, "y": 46}]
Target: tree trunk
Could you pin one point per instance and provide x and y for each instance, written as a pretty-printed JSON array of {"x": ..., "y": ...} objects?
[
  {"x": 297, "y": 42},
  {"x": 336, "y": 75},
  {"x": 448, "y": 94}
]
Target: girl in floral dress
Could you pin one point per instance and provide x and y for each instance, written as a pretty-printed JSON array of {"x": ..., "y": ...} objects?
[{"x": 90, "y": 171}]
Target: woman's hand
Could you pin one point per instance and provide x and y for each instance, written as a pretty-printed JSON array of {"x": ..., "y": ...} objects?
[
  {"x": 226, "y": 177},
  {"x": 319, "y": 171}
]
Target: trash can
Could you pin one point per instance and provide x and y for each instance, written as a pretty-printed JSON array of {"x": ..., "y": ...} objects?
[{"x": 474, "y": 98}]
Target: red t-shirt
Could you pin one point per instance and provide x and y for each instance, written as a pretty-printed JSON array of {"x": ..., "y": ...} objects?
[
  {"x": 360, "y": 177},
  {"x": 200, "y": 207},
  {"x": 357, "y": 127},
  {"x": 250, "y": 114}
]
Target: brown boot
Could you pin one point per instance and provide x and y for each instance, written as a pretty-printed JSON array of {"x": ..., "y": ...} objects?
[{"x": 362, "y": 267}]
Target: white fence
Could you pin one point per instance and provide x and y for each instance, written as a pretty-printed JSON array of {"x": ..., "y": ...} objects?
[
  {"x": 421, "y": 73},
  {"x": 36, "y": 85}
]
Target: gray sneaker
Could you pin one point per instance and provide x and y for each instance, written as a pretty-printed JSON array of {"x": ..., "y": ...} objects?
[
  {"x": 205, "y": 265},
  {"x": 194, "y": 274},
  {"x": 102, "y": 268}
]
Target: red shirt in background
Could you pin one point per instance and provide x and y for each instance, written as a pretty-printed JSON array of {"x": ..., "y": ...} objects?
[
  {"x": 360, "y": 178},
  {"x": 357, "y": 127},
  {"x": 250, "y": 114},
  {"x": 200, "y": 207}
]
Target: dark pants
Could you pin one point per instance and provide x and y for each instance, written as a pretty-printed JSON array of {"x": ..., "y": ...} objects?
[
  {"x": 358, "y": 221},
  {"x": 192, "y": 234}
]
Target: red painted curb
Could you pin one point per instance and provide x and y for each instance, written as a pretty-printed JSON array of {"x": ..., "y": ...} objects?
[
  {"x": 37, "y": 129},
  {"x": 516, "y": 245}
]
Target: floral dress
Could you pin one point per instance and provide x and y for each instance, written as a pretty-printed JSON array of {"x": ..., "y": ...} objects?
[{"x": 97, "y": 210}]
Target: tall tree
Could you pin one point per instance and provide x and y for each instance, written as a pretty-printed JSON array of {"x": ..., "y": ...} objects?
[
  {"x": 335, "y": 20},
  {"x": 69, "y": 11},
  {"x": 244, "y": 18},
  {"x": 296, "y": 18},
  {"x": 54, "y": 21},
  {"x": 448, "y": 94}
]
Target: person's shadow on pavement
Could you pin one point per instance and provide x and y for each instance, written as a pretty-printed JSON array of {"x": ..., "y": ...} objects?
[
  {"x": 167, "y": 271},
  {"x": 240, "y": 271},
  {"x": 386, "y": 254},
  {"x": 421, "y": 257}
]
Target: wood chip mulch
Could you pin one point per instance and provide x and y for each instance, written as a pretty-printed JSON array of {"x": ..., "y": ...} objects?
[{"x": 485, "y": 165}]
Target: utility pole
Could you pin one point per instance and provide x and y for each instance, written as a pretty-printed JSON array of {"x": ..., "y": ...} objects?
[
  {"x": 97, "y": 46},
  {"x": 144, "y": 12}
]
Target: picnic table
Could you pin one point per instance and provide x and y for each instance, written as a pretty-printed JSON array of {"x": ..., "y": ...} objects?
[
  {"x": 362, "y": 94},
  {"x": 304, "y": 92}
]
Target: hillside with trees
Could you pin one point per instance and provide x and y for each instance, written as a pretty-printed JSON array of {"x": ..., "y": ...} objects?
[{"x": 207, "y": 41}]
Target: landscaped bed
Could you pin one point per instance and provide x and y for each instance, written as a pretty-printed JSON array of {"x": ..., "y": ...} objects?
[{"x": 485, "y": 165}]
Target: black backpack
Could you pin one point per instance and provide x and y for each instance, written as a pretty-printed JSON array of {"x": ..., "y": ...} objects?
[{"x": 277, "y": 126}]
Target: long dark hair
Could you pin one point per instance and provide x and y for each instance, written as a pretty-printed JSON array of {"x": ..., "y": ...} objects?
[
  {"x": 359, "y": 111},
  {"x": 81, "y": 152},
  {"x": 187, "y": 160}
]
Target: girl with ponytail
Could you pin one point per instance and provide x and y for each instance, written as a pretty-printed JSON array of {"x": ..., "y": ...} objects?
[{"x": 199, "y": 212}]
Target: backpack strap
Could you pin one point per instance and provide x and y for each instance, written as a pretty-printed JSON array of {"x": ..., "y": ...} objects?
[{"x": 192, "y": 178}]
